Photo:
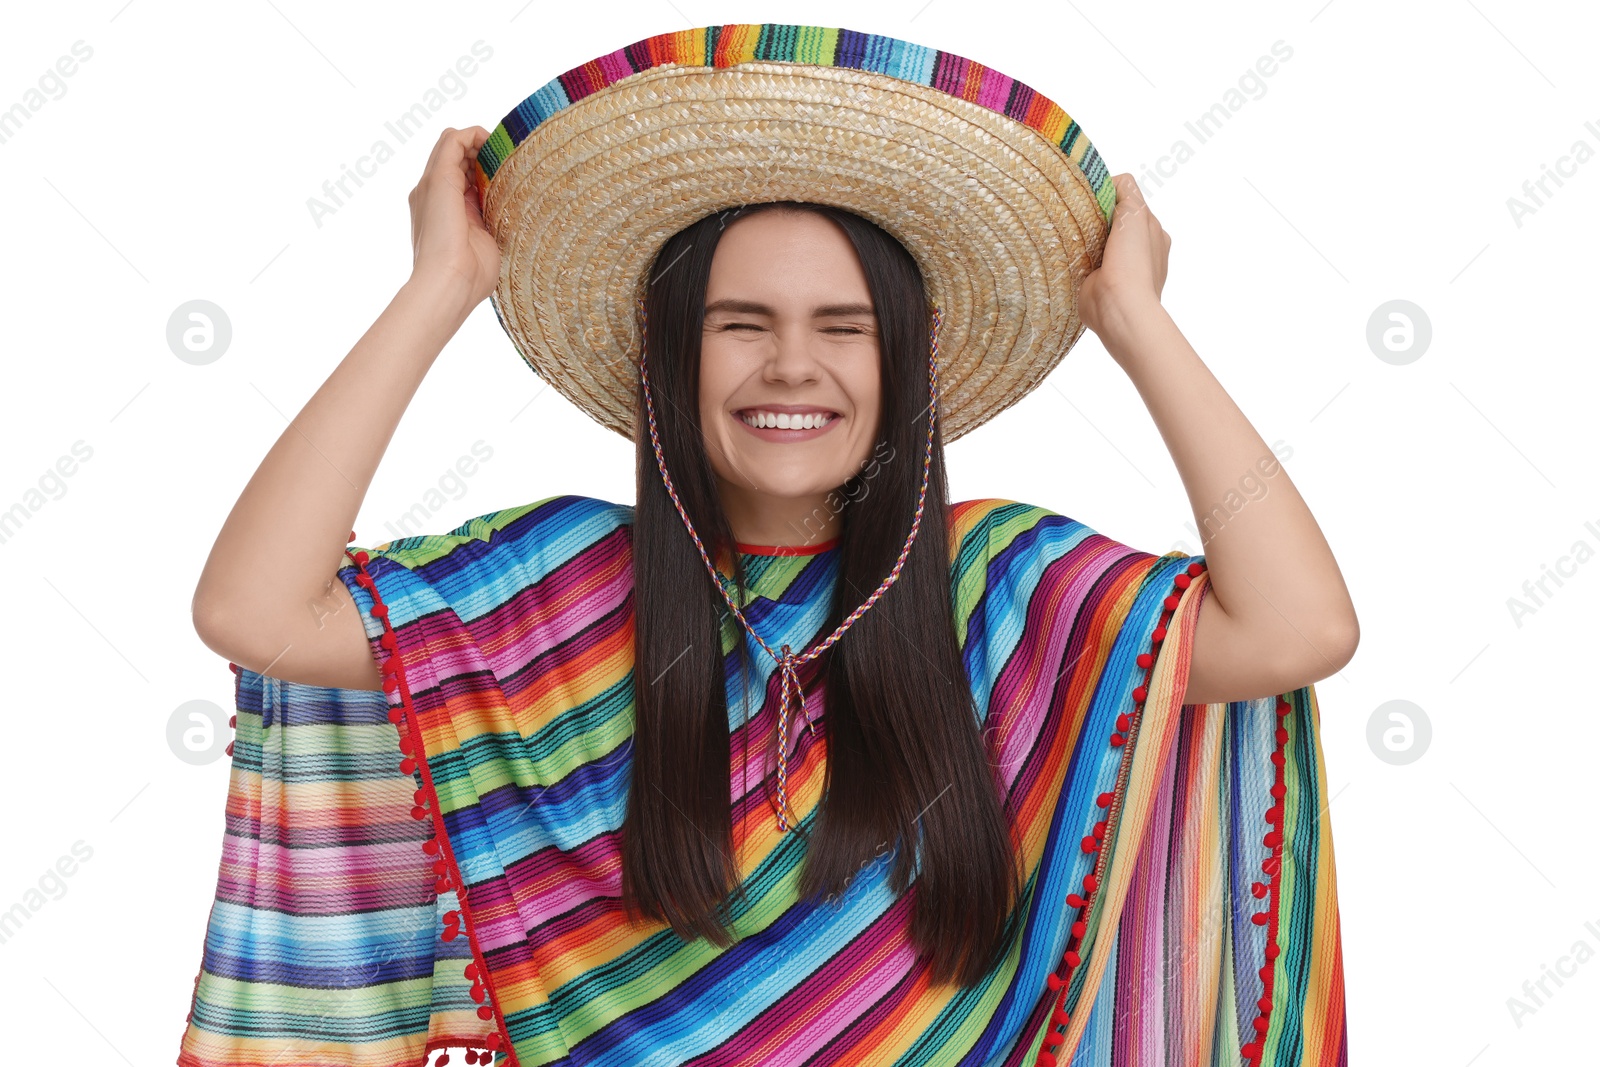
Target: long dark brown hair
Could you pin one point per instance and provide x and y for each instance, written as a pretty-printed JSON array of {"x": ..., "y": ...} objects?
[{"x": 905, "y": 749}]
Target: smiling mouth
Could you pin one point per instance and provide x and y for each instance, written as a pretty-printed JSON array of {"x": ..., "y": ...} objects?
[{"x": 762, "y": 419}]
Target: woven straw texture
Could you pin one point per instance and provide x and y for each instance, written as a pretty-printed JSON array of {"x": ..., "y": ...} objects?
[{"x": 992, "y": 188}]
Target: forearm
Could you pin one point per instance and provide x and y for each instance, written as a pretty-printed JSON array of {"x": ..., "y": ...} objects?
[
  {"x": 1271, "y": 570},
  {"x": 287, "y": 531}
]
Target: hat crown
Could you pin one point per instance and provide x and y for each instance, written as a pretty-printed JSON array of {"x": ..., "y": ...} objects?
[{"x": 991, "y": 186}]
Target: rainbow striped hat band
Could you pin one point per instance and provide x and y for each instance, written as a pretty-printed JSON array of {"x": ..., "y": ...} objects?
[{"x": 995, "y": 191}]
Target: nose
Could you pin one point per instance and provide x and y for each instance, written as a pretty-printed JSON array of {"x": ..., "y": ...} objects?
[{"x": 790, "y": 359}]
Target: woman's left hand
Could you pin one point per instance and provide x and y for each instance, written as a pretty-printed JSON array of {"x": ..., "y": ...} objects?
[{"x": 1134, "y": 266}]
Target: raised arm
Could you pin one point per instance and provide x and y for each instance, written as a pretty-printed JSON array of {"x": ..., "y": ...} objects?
[
  {"x": 1278, "y": 615},
  {"x": 268, "y": 598}
]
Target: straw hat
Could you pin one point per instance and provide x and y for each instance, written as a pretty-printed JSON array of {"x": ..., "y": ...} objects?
[{"x": 993, "y": 189}]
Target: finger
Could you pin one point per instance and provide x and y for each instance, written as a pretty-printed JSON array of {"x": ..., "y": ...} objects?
[
  {"x": 1130, "y": 201},
  {"x": 455, "y": 160},
  {"x": 443, "y": 148}
]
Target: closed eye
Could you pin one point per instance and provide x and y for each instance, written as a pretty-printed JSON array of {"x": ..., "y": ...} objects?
[{"x": 830, "y": 329}]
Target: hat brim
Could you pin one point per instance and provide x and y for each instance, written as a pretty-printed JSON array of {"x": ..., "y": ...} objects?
[{"x": 1002, "y": 222}]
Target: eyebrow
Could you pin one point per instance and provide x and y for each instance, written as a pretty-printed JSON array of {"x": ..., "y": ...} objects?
[{"x": 755, "y": 307}]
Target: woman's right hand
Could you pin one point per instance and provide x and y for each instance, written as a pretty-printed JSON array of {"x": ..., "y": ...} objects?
[{"x": 451, "y": 245}]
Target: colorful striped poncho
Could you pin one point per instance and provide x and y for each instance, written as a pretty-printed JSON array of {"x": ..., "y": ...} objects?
[{"x": 437, "y": 865}]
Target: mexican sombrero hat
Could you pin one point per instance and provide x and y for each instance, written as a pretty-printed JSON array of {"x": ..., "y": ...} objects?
[{"x": 993, "y": 188}]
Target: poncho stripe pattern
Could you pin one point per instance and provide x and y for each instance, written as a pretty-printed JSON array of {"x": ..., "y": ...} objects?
[{"x": 338, "y": 934}]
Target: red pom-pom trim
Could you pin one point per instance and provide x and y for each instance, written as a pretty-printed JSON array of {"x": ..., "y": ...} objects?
[
  {"x": 427, "y": 809},
  {"x": 1126, "y": 725},
  {"x": 1272, "y": 867}
]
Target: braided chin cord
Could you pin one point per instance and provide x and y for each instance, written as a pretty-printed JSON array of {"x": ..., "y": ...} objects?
[{"x": 788, "y": 661}]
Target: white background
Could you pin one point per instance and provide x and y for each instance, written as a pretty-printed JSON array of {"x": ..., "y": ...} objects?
[{"x": 1376, "y": 165}]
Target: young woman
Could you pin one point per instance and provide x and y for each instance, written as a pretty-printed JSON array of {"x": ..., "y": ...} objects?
[{"x": 601, "y": 708}]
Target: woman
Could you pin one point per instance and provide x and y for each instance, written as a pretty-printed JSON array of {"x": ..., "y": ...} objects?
[{"x": 580, "y": 687}]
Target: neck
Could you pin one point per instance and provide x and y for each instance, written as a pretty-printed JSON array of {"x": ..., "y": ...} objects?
[{"x": 789, "y": 521}]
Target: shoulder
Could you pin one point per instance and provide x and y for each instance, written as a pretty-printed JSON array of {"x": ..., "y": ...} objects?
[
  {"x": 1019, "y": 540},
  {"x": 995, "y": 522},
  {"x": 548, "y": 529}
]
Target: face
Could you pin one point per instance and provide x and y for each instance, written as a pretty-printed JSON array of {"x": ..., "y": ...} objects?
[{"x": 789, "y": 378}]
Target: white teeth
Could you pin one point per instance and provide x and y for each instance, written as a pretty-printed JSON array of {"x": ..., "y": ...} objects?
[{"x": 785, "y": 421}]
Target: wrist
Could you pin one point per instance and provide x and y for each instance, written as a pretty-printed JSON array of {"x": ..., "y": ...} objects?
[
  {"x": 440, "y": 293},
  {"x": 1125, "y": 324}
]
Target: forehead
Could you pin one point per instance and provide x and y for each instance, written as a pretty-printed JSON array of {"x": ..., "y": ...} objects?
[{"x": 786, "y": 255}]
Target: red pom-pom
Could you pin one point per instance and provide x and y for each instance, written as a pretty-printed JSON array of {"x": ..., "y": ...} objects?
[
  {"x": 408, "y": 765},
  {"x": 1181, "y": 581},
  {"x": 476, "y": 992},
  {"x": 1072, "y": 957},
  {"x": 1117, "y": 740},
  {"x": 418, "y": 813},
  {"x": 1139, "y": 694},
  {"x": 1053, "y": 980},
  {"x": 233, "y": 722},
  {"x": 1079, "y": 928},
  {"x": 1046, "y": 1059},
  {"x": 1144, "y": 659},
  {"x": 486, "y": 1012},
  {"x": 1282, "y": 735},
  {"x": 1124, "y": 721},
  {"x": 229, "y": 749},
  {"x": 1195, "y": 569},
  {"x": 471, "y": 971},
  {"x": 1272, "y": 838},
  {"x": 1060, "y": 1018},
  {"x": 494, "y": 1041},
  {"x": 1278, "y": 790},
  {"x": 431, "y": 846},
  {"x": 1258, "y": 890},
  {"x": 1100, "y": 830},
  {"x": 1260, "y": 918},
  {"x": 1170, "y": 602},
  {"x": 1250, "y": 1051},
  {"x": 380, "y": 611},
  {"x": 361, "y": 558},
  {"x": 1103, "y": 800},
  {"x": 1265, "y": 1004},
  {"x": 1075, "y": 901},
  {"x": 1160, "y": 633},
  {"x": 1089, "y": 882},
  {"x": 1272, "y": 950},
  {"x": 1090, "y": 844}
]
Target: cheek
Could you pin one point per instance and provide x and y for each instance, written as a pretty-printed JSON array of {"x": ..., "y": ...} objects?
[
  {"x": 866, "y": 393},
  {"x": 713, "y": 390}
]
